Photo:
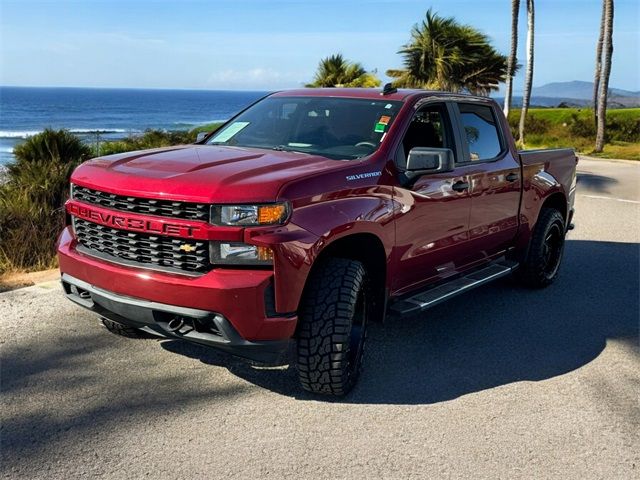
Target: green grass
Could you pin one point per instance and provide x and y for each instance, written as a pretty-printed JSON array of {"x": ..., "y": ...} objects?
[{"x": 574, "y": 128}]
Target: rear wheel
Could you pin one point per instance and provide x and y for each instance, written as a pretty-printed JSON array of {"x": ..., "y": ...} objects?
[
  {"x": 123, "y": 330},
  {"x": 541, "y": 266},
  {"x": 333, "y": 327}
]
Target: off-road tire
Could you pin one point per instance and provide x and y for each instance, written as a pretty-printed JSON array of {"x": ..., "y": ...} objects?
[
  {"x": 542, "y": 264},
  {"x": 123, "y": 330},
  {"x": 332, "y": 327}
]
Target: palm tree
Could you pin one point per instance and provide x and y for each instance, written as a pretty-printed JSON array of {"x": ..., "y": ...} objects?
[
  {"x": 445, "y": 55},
  {"x": 528, "y": 81},
  {"x": 607, "y": 49},
  {"x": 511, "y": 65},
  {"x": 598, "y": 72},
  {"x": 336, "y": 71}
]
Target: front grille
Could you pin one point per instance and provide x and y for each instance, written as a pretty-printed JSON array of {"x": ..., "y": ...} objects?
[
  {"x": 141, "y": 249},
  {"x": 148, "y": 206}
]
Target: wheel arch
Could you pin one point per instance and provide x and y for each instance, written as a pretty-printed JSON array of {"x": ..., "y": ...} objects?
[
  {"x": 367, "y": 248},
  {"x": 556, "y": 200}
]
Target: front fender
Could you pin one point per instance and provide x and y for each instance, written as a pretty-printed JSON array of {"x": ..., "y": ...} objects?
[{"x": 312, "y": 229}]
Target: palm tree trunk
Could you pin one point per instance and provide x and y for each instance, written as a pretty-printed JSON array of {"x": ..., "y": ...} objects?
[
  {"x": 528, "y": 81},
  {"x": 607, "y": 50},
  {"x": 511, "y": 65},
  {"x": 598, "y": 72}
]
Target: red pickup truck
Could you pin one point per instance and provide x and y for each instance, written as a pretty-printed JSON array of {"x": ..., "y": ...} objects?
[{"x": 309, "y": 215}]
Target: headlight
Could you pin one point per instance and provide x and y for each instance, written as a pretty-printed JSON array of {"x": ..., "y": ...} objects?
[
  {"x": 249, "y": 215},
  {"x": 239, "y": 254}
]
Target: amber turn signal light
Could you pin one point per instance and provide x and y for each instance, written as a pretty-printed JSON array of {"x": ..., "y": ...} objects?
[{"x": 270, "y": 214}]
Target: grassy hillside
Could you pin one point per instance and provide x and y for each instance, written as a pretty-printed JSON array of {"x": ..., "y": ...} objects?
[{"x": 574, "y": 127}]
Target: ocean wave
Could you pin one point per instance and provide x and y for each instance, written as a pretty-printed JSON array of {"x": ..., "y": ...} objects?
[
  {"x": 23, "y": 134},
  {"x": 29, "y": 133},
  {"x": 197, "y": 124},
  {"x": 6, "y": 150},
  {"x": 102, "y": 130}
]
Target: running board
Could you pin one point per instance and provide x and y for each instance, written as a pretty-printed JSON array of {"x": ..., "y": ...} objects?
[{"x": 435, "y": 295}]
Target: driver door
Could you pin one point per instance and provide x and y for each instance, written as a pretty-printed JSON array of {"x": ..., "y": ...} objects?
[{"x": 432, "y": 211}]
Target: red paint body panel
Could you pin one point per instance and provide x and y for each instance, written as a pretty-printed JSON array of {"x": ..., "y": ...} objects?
[{"x": 428, "y": 231}]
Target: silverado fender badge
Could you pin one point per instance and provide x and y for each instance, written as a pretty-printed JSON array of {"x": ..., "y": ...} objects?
[{"x": 360, "y": 176}]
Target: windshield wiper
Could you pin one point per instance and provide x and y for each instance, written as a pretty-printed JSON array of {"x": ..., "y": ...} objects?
[{"x": 286, "y": 148}]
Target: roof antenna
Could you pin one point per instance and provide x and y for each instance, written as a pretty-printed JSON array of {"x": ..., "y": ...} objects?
[{"x": 389, "y": 89}]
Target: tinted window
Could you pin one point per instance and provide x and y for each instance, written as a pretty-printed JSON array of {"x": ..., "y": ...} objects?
[
  {"x": 481, "y": 131},
  {"x": 427, "y": 129}
]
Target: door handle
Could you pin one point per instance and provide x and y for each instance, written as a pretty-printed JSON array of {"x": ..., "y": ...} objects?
[
  {"x": 460, "y": 186},
  {"x": 512, "y": 177}
]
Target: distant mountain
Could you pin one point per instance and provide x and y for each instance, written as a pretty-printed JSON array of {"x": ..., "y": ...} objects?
[
  {"x": 575, "y": 94},
  {"x": 577, "y": 90}
]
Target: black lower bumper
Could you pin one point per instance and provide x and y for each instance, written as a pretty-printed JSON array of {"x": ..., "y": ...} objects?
[{"x": 198, "y": 326}]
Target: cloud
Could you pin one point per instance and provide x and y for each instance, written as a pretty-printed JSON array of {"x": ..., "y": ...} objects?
[{"x": 260, "y": 77}]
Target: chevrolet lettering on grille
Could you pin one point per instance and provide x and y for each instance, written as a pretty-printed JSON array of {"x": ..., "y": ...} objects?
[{"x": 128, "y": 223}]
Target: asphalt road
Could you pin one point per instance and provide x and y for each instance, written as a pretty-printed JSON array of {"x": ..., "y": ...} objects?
[{"x": 501, "y": 383}]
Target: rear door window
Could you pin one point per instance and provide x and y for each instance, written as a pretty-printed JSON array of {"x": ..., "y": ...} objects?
[{"x": 480, "y": 131}]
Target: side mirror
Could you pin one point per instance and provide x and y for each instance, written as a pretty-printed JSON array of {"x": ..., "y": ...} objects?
[
  {"x": 422, "y": 161},
  {"x": 201, "y": 136}
]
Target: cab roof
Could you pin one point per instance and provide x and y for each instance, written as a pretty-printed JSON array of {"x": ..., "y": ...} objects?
[{"x": 368, "y": 93}]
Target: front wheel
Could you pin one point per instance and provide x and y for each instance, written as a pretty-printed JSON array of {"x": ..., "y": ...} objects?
[
  {"x": 333, "y": 327},
  {"x": 541, "y": 266}
]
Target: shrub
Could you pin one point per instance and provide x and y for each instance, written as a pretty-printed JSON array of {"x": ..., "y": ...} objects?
[
  {"x": 533, "y": 124},
  {"x": 149, "y": 139},
  {"x": 582, "y": 126},
  {"x": 32, "y": 198},
  {"x": 153, "y": 139},
  {"x": 623, "y": 129}
]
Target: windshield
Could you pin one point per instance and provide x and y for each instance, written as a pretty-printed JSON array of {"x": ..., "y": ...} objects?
[{"x": 337, "y": 128}]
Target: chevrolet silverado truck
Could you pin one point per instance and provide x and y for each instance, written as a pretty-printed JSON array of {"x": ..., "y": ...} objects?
[{"x": 308, "y": 216}]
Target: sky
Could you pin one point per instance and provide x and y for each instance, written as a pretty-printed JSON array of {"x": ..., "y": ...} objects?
[{"x": 273, "y": 44}]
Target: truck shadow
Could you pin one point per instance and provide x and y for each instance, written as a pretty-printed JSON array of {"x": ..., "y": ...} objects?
[
  {"x": 590, "y": 182},
  {"x": 493, "y": 336}
]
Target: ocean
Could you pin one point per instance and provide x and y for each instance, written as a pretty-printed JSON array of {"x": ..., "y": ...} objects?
[{"x": 109, "y": 113}]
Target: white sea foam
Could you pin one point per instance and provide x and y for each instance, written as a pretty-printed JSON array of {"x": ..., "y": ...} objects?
[
  {"x": 29, "y": 133},
  {"x": 23, "y": 134},
  {"x": 6, "y": 149},
  {"x": 101, "y": 130}
]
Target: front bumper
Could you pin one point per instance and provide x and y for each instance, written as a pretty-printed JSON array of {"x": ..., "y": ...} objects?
[
  {"x": 170, "y": 321},
  {"x": 242, "y": 297}
]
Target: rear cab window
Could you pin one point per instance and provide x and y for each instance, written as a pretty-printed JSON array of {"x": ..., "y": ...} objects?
[{"x": 480, "y": 132}]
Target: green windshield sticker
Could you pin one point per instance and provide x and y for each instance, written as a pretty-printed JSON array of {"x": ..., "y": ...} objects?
[
  {"x": 379, "y": 127},
  {"x": 229, "y": 132}
]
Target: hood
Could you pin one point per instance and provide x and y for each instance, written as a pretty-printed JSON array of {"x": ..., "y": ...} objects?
[{"x": 200, "y": 173}]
